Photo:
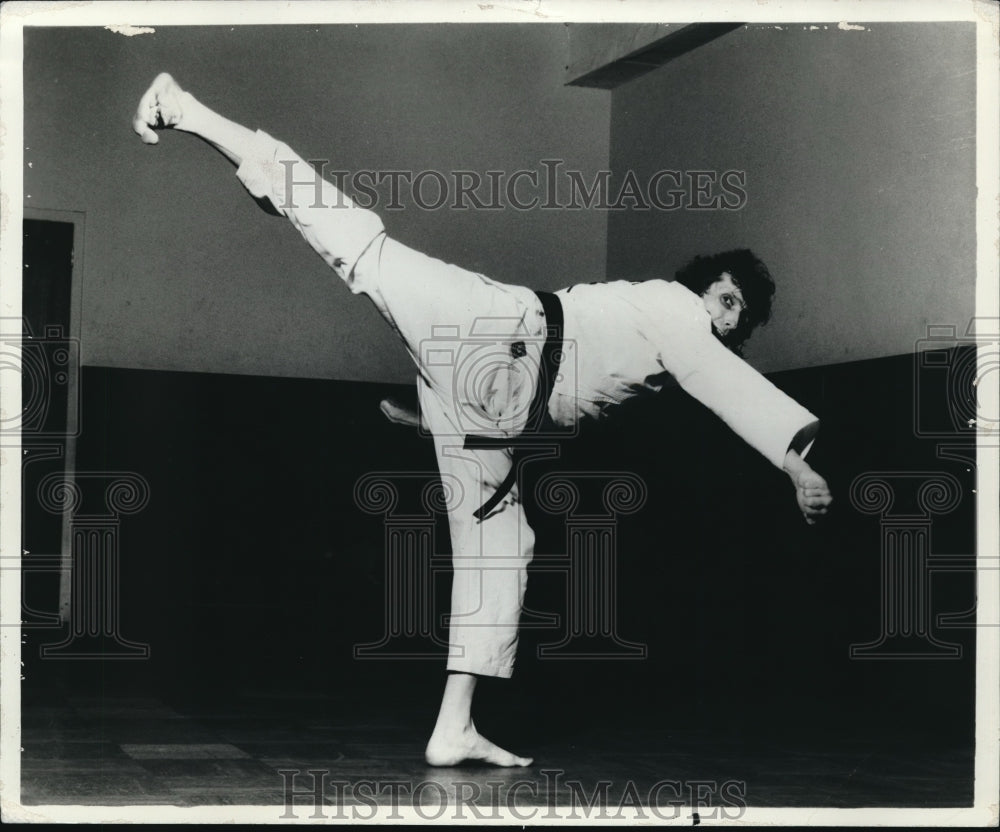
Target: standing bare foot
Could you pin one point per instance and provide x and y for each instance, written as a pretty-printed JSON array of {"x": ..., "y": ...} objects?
[{"x": 448, "y": 748}]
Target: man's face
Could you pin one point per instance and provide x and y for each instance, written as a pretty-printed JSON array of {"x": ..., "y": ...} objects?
[{"x": 724, "y": 302}]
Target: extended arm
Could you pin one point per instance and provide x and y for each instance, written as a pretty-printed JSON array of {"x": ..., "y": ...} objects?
[
  {"x": 765, "y": 418},
  {"x": 165, "y": 104},
  {"x": 761, "y": 414}
]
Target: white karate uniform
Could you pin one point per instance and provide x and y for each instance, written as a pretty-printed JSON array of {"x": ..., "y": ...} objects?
[{"x": 619, "y": 339}]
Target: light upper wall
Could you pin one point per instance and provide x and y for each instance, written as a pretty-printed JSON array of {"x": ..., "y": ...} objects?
[
  {"x": 858, "y": 150},
  {"x": 859, "y": 153},
  {"x": 185, "y": 272}
]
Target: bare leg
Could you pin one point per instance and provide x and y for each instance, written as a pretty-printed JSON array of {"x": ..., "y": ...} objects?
[{"x": 455, "y": 738}]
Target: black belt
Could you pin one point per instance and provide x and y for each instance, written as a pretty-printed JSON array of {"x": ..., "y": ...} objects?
[{"x": 547, "y": 371}]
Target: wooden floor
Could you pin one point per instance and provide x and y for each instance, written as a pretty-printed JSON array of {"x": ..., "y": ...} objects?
[{"x": 105, "y": 750}]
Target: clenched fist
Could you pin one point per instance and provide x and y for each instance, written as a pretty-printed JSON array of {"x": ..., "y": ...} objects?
[
  {"x": 812, "y": 494},
  {"x": 162, "y": 105}
]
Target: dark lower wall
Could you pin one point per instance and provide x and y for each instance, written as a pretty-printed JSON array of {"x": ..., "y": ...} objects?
[{"x": 253, "y": 564}]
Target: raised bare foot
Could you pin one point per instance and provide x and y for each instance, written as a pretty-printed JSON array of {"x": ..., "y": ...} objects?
[{"x": 450, "y": 749}]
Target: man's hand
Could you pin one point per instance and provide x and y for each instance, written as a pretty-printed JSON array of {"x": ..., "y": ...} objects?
[
  {"x": 162, "y": 105},
  {"x": 398, "y": 413},
  {"x": 812, "y": 494},
  {"x": 165, "y": 104},
  {"x": 811, "y": 491}
]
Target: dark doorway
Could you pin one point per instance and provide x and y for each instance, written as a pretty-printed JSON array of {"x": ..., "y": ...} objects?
[{"x": 49, "y": 389}]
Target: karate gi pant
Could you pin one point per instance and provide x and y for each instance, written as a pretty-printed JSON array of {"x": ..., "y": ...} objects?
[{"x": 458, "y": 328}]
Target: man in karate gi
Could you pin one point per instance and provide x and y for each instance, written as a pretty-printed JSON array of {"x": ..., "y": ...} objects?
[{"x": 561, "y": 357}]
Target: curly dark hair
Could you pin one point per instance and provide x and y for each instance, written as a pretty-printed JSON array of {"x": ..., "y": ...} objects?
[{"x": 751, "y": 276}]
